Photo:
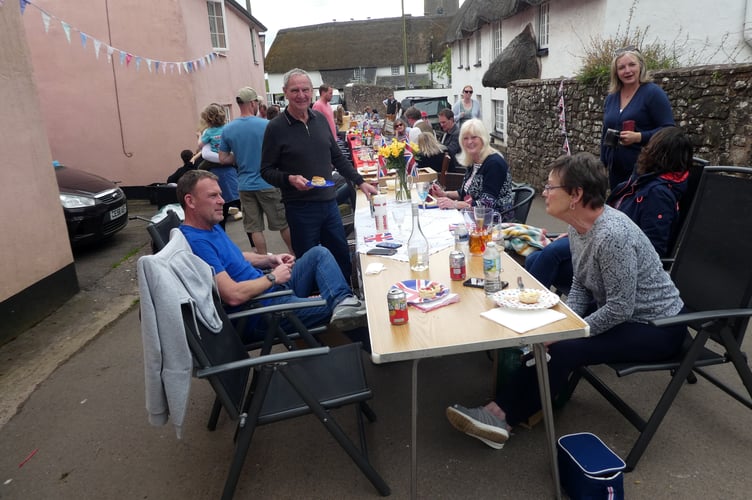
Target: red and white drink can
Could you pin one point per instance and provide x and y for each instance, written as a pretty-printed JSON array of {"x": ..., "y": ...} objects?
[{"x": 457, "y": 268}]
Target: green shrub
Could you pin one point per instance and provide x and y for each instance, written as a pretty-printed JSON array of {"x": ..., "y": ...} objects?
[{"x": 599, "y": 52}]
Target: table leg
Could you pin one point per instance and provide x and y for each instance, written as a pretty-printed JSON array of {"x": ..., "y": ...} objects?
[
  {"x": 541, "y": 367},
  {"x": 414, "y": 434}
]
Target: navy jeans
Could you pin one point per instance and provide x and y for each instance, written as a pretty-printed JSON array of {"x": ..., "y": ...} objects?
[
  {"x": 316, "y": 270},
  {"x": 319, "y": 222},
  {"x": 625, "y": 342},
  {"x": 552, "y": 265}
]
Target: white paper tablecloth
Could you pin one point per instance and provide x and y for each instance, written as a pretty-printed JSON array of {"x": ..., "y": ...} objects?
[{"x": 434, "y": 222}]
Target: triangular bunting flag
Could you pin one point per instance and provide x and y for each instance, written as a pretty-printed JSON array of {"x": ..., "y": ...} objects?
[
  {"x": 66, "y": 29},
  {"x": 128, "y": 58},
  {"x": 23, "y": 6},
  {"x": 97, "y": 46},
  {"x": 46, "y": 22},
  {"x": 83, "y": 39},
  {"x": 148, "y": 64},
  {"x": 138, "y": 62},
  {"x": 110, "y": 51}
]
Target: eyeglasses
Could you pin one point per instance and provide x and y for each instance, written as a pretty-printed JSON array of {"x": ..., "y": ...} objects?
[
  {"x": 549, "y": 188},
  {"x": 399, "y": 125},
  {"x": 628, "y": 48},
  {"x": 467, "y": 91}
]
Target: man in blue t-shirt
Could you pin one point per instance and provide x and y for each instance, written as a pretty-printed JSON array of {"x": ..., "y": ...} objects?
[
  {"x": 241, "y": 145},
  {"x": 238, "y": 275}
]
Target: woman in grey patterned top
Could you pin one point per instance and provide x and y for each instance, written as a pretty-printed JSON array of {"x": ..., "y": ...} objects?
[{"x": 619, "y": 285}]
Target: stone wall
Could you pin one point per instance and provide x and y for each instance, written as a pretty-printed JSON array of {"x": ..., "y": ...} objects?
[
  {"x": 358, "y": 96},
  {"x": 712, "y": 103}
]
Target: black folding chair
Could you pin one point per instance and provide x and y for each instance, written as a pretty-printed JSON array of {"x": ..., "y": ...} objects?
[
  {"x": 285, "y": 385},
  {"x": 523, "y": 200},
  {"x": 160, "y": 231},
  {"x": 712, "y": 272}
]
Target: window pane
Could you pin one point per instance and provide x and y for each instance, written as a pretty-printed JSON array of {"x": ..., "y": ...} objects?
[
  {"x": 498, "y": 116},
  {"x": 543, "y": 26},
  {"x": 216, "y": 24}
]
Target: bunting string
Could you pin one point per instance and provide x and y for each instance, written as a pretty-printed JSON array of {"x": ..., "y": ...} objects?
[
  {"x": 125, "y": 57},
  {"x": 563, "y": 120}
]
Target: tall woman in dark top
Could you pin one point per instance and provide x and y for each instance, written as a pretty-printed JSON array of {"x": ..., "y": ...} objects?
[
  {"x": 633, "y": 99},
  {"x": 487, "y": 182}
]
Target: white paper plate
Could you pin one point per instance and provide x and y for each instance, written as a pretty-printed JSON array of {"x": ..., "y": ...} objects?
[{"x": 510, "y": 299}]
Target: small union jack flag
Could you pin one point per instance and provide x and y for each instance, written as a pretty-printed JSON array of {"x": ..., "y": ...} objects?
[
  {"x": 410, "y": 160},
  {"x": 378, "y": 238}
]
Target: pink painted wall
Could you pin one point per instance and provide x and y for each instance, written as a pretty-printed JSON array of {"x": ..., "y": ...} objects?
[
  {"x": 34, "y": 241},
  {"x": 126, "y": 124}
]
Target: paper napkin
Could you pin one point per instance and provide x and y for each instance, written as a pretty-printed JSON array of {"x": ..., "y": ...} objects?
[
  {"x": 449, "y": 298},
  {"x": 523, "y": 321}
]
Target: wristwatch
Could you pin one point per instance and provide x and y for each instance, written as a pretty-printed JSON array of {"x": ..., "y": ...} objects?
[{"x": 272, "y": 278}]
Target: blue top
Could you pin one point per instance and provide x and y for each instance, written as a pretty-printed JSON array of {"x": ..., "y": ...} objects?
[
  {"x": 651, "y": 111},
  {"x": 216, "y": 249},
  {"x": 211, "y": 137},
  {"x": 652, "y": 202},
  {"x": 243, "y": 137}
]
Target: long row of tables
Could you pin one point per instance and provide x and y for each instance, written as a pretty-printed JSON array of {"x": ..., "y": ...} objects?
[{"x": 455, "y": 328}]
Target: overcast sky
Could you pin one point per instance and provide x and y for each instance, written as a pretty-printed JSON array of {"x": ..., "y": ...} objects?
[{"x": 276, "y": 15}]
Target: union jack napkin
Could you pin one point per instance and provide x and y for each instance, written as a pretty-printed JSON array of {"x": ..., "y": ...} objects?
[{"x": 378, "y": 237}]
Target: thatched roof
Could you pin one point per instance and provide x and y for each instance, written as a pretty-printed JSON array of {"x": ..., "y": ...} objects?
[
  {"x": 357, "y": 44},
  {"x": 475, "y": 13},
  {"x": 518, "y": 61}
]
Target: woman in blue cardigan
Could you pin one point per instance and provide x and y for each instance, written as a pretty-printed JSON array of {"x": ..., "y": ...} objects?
[{"x": 641, "y": 104}]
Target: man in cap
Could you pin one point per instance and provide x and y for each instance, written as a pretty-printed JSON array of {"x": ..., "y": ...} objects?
[{"x": 241, "y": 145}]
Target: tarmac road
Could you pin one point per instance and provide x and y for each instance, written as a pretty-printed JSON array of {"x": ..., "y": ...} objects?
[{"x": 73, "y": 423}]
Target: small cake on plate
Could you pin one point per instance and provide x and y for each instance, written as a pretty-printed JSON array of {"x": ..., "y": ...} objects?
[
  {"x": 528, "y": 296},
  {"x": 318, "y": 180},
  {"x": 430, "y": 292}
]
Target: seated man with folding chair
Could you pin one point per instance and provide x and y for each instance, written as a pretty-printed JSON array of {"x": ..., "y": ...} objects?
[{"x": 238, "y": 275}]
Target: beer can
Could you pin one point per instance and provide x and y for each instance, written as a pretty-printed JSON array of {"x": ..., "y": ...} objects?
[
  {"x": 457, "y": 269},
  {"x": 397, "y": 301}
]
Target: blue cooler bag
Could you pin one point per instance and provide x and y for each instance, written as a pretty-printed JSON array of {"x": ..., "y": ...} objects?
[{"x": 588, "y": 469}]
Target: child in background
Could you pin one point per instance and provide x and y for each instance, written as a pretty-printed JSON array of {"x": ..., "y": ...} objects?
[{"x": 213, "y": 119}]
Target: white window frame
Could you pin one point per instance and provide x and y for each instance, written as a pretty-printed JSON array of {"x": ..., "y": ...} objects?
[
  {"x": 496, "y": 39},
  {"x": 499, "y": 121},
  {"x": 228, "y": 112},
  {"x": 411, "y": 69},
  {"x": 478, "y": 49},
  {"x": 459, "y": 46},
  {"x": 543, "y": 25},
  {"x": 396, "y": 70},
  {"x": 357, "y": 74},
  {"x": 254, "y": 48},
  {"x": 218, "y": 34}
]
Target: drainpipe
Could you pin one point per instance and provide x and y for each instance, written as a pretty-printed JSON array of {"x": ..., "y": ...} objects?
[{"x": 747, "y": 28}]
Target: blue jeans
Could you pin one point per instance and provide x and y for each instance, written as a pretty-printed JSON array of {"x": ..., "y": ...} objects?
[
  {"x": 552, "y": 265},
  {"x": 315, "y": 270},
  {"x": 318, "y": 222}
]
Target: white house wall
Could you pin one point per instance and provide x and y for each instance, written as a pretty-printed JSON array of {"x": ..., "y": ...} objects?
[{"x": 702, "y": 38}]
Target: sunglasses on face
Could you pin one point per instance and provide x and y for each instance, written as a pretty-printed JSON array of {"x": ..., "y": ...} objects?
[
  {"x": 467, "y": 91},
  {"x": 398, "y": 125}
]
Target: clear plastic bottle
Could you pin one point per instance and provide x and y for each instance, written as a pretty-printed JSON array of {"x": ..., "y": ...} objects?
[
  {"x": 491, "y": 269},
  {"x": 462, "y": 240},
  {"x": 417, "y": 245}
]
